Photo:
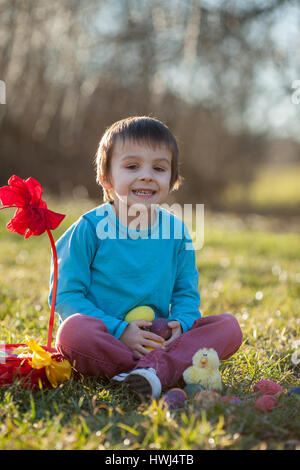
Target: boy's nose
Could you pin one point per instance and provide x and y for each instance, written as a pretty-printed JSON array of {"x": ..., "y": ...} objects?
[{"x": 146, "y": 178}]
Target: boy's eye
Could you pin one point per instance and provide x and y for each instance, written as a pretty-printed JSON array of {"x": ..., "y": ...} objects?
[{"x": 133, "y": 166}]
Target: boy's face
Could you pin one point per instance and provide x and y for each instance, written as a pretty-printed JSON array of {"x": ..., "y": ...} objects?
[{"x": 140, "y": 173}]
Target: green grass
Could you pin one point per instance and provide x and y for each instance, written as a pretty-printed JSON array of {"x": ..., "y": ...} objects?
[{"x": 246, "y": 268}]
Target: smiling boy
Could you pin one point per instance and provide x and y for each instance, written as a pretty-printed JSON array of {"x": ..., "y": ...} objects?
[
  {"x": 145, "y": 158},
  {"x": 139, "y": 175},
  {"x": 103, "y": 277}
]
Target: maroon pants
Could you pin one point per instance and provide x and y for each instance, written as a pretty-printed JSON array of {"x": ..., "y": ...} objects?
[{"x": 86, "y": 343}]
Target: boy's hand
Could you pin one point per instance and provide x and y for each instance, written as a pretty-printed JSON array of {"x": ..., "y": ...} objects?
[
  {"x": 176, "y": 332},
  {"x": 138, "y": 340}
]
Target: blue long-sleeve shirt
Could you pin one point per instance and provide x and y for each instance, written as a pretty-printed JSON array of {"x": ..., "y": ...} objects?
[{"x": 105, "y": 269}]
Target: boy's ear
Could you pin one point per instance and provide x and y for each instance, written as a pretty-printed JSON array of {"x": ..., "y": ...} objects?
[{"x": 105, "y": 182}]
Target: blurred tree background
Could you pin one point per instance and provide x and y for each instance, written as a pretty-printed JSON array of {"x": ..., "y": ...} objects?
[{"x": 219, "y": 73}]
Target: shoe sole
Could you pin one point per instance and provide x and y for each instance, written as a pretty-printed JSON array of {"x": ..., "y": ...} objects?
[{"x": 139, "y": 385}]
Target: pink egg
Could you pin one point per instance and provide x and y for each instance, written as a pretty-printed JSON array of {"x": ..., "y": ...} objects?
[
  {"x": 206, "y": 397},
  {"x": 267, "y": 387},
  {"x": 266, "y": 403}
]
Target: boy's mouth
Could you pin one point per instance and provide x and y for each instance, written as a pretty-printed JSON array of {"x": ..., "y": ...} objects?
[{"x": 144, "y": 193}]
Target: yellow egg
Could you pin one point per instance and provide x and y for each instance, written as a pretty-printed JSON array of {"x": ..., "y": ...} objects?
[
  {"x": 151, "y": 349},
  {"x": 140, "y": 313}
]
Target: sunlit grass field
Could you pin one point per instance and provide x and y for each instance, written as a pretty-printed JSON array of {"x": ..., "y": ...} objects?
[
  {"x": 248, "y": 266},
  {"x": 275, "y": 188}
]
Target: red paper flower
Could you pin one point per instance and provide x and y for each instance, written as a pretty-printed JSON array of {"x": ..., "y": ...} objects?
[{"x": 32, "y": 216}]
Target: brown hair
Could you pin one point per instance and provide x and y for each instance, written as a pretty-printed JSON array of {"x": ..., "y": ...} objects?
[{"x": 138, "y": 128}]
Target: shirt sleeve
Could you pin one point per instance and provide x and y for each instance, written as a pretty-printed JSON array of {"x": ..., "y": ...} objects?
[
  {"x": 185, "y": 301},
  {"x": 75, "y": 252}
]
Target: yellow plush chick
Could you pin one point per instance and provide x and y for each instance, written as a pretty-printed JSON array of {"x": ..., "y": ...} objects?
[{"x": 205, "y": 370}]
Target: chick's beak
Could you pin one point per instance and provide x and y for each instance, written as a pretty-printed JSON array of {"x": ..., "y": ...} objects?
[{"x": 203, "y": 361}]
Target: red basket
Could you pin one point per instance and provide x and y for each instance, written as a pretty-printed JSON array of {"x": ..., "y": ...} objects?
[
  {"x": 19, "y": 368},
  {"x": 32, "y": 217}
]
